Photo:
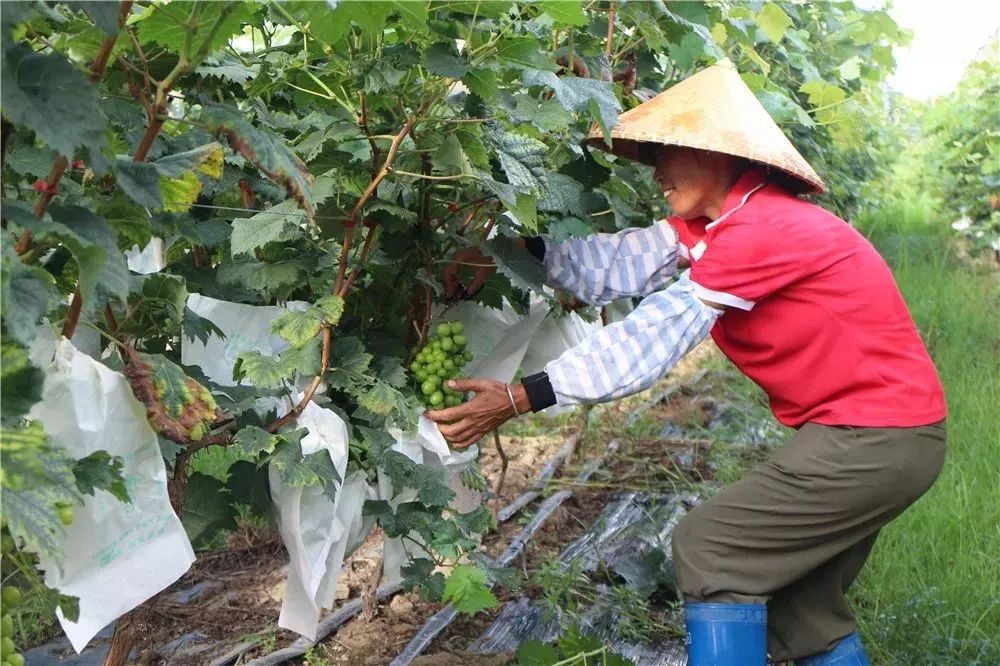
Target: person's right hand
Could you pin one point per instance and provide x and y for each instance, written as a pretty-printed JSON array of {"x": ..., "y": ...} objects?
[{"x": 482, "y": 268}]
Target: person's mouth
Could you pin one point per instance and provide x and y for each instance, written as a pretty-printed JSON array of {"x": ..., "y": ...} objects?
[{"x": 667, "y": 191}]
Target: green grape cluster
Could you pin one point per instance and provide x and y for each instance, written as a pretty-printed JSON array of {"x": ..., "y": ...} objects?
[
  {"x": 9, "y": 656},
  {"x": 441, "y": 359},
  {"x": 11, "y": 597}
]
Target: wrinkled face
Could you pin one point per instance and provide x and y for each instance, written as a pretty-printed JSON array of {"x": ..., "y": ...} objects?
[{"x": 695, "y": 182}]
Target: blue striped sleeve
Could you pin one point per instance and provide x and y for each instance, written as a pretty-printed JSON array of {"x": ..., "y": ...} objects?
[
  {"x": 602, "y": 268},
  {"x": 631, "y": 355}
]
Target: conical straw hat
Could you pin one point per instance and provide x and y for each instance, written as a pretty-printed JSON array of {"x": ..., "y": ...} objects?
[{"x": 711, "y": 110}]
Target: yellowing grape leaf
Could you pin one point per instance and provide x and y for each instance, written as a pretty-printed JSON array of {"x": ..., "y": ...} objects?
[{"x": 178, "y": 407}]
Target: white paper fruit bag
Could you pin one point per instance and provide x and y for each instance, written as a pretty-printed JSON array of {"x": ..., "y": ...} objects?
[{"x": 117, "y": 555}]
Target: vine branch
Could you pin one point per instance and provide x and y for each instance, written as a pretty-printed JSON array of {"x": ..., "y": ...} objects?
[
  {"x": 97, "y": 69},
  {"x": 45, "y": 197},
  {"x": 311, "y": 391},
  {"x": 363, "y": 123},
  {"x": 609, "y": 46}
]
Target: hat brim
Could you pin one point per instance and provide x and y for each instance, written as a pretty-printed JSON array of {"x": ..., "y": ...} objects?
[{"x": 648, "y": 153}]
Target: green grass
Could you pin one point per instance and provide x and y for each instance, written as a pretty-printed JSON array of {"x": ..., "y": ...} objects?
[{"x": 930, "y": 593}]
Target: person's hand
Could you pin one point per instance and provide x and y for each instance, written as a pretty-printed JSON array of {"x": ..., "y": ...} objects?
[
  {"x": 482, "y": 267},
  {"x": 467, "y": 423}
]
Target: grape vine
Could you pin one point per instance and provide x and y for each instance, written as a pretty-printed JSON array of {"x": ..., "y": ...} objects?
[{"x": 332, "y": 155}]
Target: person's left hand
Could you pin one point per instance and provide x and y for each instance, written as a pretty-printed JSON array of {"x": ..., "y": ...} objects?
[{"x": 467, "y": 423}]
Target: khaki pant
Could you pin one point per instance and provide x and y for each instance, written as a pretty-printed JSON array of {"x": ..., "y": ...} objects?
[{"x": 795, "y": 532}]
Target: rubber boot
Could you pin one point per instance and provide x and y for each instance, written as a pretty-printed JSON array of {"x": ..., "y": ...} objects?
[
  {"x": 848, "y": 652},
  {"x": 726, "y": 634}
]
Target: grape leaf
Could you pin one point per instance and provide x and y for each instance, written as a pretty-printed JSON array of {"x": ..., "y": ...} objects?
[
  {"x": 373, "y": 440},
  {"x": 297, "y": 328},
  {"x": 850, "y": 69},
  {"x": 348, "y": 363},
  {"x": 379, "y": 76},
  {"x": 719, "y": 33},
  {"x": 206, "y": 159},
  {"x": 449, "y": 158},
  {"x": 521, "y": 158},
  {"x": 566, "y": 228},
  {"x": 551, "y": 116},
  {"x": 773, "y": 21},
  {"x": 391, "y": 371},
  {"x": 227, "y": 68},
  {"x": 165, "y": 24},
  {"x": 271, "y": 372},
  {"x": 166, "y": 293},
  {"x": 261, "y": 276},
  {"x": 564, "y": 12},
  {"x": 277, "y": 224},
  {"x": 381, "y": 399},
  {"x": 572, "y": 642},
  {"x": 47, "y": 94},
  {"x": 525, "y": 272},
  {"x": 69, "y": 606},
  {"x": 27, "y": 293},
  {"x": 448, "y": 540},
  {"x": 27, "y": 159},
  {"x": 100, "y": 470},
  {"x": 206, "y": 509},
  {"x": 525, "y": 53},
  {"x": 442, "y": 59},
  {"x": 468, "y": 591},
  {"x": 533, "y": 652},
  {"x": 140, "y": 181},
  {"x": 178, "y": 407},
  {"x": 419, "y": 575},
  {"x": 20, "y": 382},
  {"x": 330, "y": 309},
  {"x": 266, "y": 150},
  {"x": 482, "y": 82},
  {"x": 326, "y": 21},
  {"x": 90, "y": 257},
  {"x": 392, "y": 209},
  {"x": 577, "y": 94},
  {"x": 471, "y": 138},
  {"x": 200, "y": 328},
  {"x": 494, "y": 291},
  {"x": 112, "y": 279},
  {"x": 414, "y": 13},
  {"x": 783, "y": 108},
  {"x": 564, "y": 195},
  {"x": 429, "y": 482},
  {"x": 299, "y": 470},
  {"x": 478, "y": 521},
  {"x": 252, "y": 441},
  {"x": 35, "y": 477},
  {"x": 689, "y": 50},
  {"x": 180, "y": 193},
  {"x": 104, "y": 14},
  {"x": 370, "y": 16}
]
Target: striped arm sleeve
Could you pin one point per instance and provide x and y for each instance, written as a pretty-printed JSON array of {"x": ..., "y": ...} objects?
[
  {"x": 602, "y": 268},
  {"x": 631, "y": 355}
]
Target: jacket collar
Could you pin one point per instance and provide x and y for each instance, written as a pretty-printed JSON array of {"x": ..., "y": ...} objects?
[{"x": 746, "y": 185}]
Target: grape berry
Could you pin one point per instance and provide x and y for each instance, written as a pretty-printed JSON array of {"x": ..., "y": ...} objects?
[
  {"x": 8, "y": 651},
  {"x": 441, "y": 359}
]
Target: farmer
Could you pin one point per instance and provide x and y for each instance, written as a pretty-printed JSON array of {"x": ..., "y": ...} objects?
[{"x": 803, "y": 305}]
